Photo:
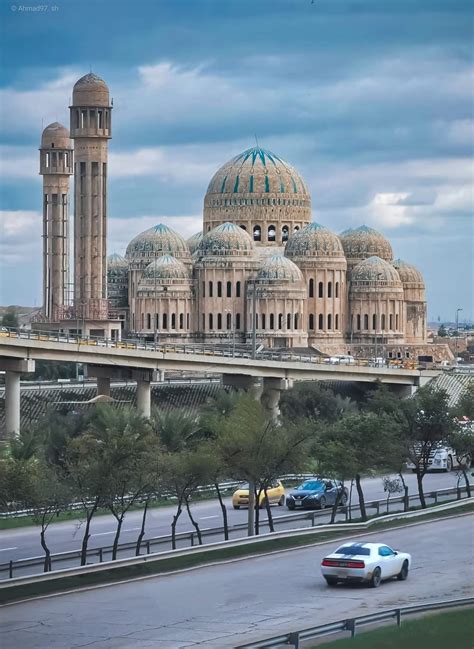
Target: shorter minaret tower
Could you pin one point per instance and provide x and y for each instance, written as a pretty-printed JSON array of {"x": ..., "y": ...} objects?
[{"x": 56, "y": 165}]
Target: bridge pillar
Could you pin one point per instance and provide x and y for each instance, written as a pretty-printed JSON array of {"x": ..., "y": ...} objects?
[
  {"x": 144, "y": 398},
  {"x": 103, "y": 385},
  {"x": 13, "y": 369},
  {"x": 270, "y": 398},
  {"x": 403, "y": 391}
]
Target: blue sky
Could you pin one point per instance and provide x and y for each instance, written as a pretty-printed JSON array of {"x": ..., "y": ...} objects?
[{"x": 371, "y": 100}]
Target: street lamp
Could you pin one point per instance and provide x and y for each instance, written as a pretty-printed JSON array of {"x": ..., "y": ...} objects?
[
  {"x": 457, "y": 331},
  {"x": 253, "y": 282},
  {"x": 231, "y": 311}
]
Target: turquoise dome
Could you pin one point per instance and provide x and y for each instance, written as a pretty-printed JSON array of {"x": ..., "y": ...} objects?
[
  {"x": 276, "y": 268},
  {"x": 165, "y": 267},
  {"x": 225, "y": 239},
  {"x": 363, "y": 242},
  {"x": 375, "y": 270},
  {"x": 156, "y": 241},
  {"x": 314, "y": 240},
  {"x": 194, "y": 241},
  {"x": 116, "y": 264}
]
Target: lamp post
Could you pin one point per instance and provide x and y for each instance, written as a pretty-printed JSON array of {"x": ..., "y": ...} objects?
[
  {"x": 254, "y": 324},
  {"x": 232, "y": 326},
  {"x": 457, "y": 331}
]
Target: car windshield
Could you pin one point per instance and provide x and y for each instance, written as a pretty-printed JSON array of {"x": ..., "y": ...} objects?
[
  {"x": 312, "y": 485},
  {"x": 353, "y": 550},
  {"x": 244, "y": 485}
]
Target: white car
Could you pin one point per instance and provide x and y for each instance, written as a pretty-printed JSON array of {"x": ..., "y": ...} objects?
[{"x": 365, "y": 562}]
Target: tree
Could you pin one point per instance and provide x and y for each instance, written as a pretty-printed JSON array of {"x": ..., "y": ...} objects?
[
  {"x": 462, "y": 441},
  {"x": 177, "y": 429},
  {"x": 425, "y": 423},
  {"x": 313, "y": 400},
  {"x": 442, "y": 332},
  {"x": 10, "y": 318},
  {"x": 465, "y": 405}
]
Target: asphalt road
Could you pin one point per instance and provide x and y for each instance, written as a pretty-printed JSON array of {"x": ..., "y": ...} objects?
[
  {"x": 220, "y": 606},
  {"x": 62, "y": 537}
]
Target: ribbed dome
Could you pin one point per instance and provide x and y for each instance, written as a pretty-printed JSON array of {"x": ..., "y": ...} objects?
[
  {"x": 90, "y": 90},
  {"x": 225, "y": 239},
  {"x": 279, "y": 268},
  {"x": 258, "y": 189},
  {"x": 408, "y": 273},
  {"x": 363, "y": 242},
  {"x": 157, "y": 241},
  {"x": 166, "y": 267},
  {"x": 194, "y": 241},
  {"x": 375, "y": 271},
  {"x": 314, "y": 240},
  {"x": 116, "y": 263},
  {"x": 55, "y": 136}
]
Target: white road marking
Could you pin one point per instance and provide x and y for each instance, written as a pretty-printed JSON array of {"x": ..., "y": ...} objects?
[
  {"x": 132, "y": 529},
  {"x": 5, "y": 549},
  {"x": 203, "y": 518}
]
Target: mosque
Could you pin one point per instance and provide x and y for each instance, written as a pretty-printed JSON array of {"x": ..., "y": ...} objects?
[{"x": 259, "y": 267}]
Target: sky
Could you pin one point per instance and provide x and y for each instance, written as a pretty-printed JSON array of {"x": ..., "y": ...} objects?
[{"x": 371, "y": 100}]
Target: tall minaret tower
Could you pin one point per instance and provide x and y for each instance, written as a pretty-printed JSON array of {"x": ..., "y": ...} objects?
[
  {"x": 56, "y": 166},
  {"x": 91, "y": 128}
]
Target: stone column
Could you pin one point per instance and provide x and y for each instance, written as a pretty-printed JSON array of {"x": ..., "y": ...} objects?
[
  {"x": 270, "y": 397},
  {"x": 144, "y": 397},
  {"x": 103, "y": 385},
  {"x": 13, "y": 368}
]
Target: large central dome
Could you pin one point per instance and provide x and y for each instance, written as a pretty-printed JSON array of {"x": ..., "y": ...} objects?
[{"x": 262, "y": 194}]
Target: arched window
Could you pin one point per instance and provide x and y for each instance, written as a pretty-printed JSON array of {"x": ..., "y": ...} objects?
[
  {"x": 390, "y": 321},
  {"x": 229, "y": 321},
  {"x": 366, "y": 322},
  {"x": 243, "y": 227},
  {"x": 219, "y": 320},
  {"x": 337, "y": 289},
  {"x": 271, "y": 233},
  {"x": 219, "y": 289},
  {"x": 157, "y": 320},
  {"x": 337, "y": 322},
  {"x": 311, "y": 321},
  {"x": 143, "y": 321},
  {"x": 204, "y": 289},
  {"x": 358, "y": 321},
  {"x": 320, "y": 290},
  {"x": 396, "y": 322},
  {"x": 203, "y": 320},
  {"x": 148, "y": 321},
  {"x": 187, "y": 320},
  {"x": 211, "y": 321},
  {"x": 237, "y": 289},
  {"x": 237, "y": 320},
  {"x": 329, "y": 289},
  {"x": 210, "y": 289},
  {"x": 320, "y": 322},
  {"x": 288, "y": 320},
  {"x": 263, "y": 320},
  {"x": 280, "y": 321},
  {"x": 229, "y": 289},
  {"x": 383, "y": 322},
  {"x": 272, "y": 321},
  {"x": 256, "y": 321},
  {"x": 374, "y": 321},
  {"x": 311, "y": 288},
  {"x": 285, "y": 231},
  {"x": 257, "y": 233},
  {"x": 296, "y": 320},
  {"x": 165, "y": 320},
  {"x": 173, "y": 321},
  {"x": 181, "y": 320},
  {"x": 296, "y": 228},
  {"x": 329, "y": 321}
]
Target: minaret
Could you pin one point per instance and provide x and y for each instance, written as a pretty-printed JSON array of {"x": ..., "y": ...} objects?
[
  {"x": 56, "y": 166},
  {"x": 91, "y": 127}
]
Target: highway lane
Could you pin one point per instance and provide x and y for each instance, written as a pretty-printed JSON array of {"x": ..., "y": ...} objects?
[
  {"x": 65, "y": 536},
  {"x": 220, "y": 606}
]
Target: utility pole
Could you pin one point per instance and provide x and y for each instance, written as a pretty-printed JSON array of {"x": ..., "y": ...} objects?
[
  {"x": 251, "y": 510},
  {"x": 254, "y": 324},
  {"x": 457, "y": 332}
]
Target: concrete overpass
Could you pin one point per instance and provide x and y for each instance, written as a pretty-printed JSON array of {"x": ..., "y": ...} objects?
[{"x": 264, "y": 376}]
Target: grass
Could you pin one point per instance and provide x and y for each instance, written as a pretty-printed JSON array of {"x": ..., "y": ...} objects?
[
  {"x": 156, "y": 566},
  {"x": 434, "y": 631}
]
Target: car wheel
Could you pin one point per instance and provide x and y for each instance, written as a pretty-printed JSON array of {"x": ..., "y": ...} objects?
[
  {"x": 291, "y": 506},
  {"x": 403, "y": 574},
  {"x": 376, "y": 578},
  {"x": 331, "y": 581},
  {"x": 449, "y": 464},
  {"x": 322, "y": 503},
  {"x": 343, "y": 501},
  {"x": 281, "y": 502},
  {"x": 236, "y": 506}
]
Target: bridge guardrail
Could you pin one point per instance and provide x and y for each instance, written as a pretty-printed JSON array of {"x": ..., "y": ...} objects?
[
  {"x": 294, "y": 638},
  {"x": 192, "y": 538}
]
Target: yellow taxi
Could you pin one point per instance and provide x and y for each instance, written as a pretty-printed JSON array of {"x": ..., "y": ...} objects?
[{"x": 275, "y": 493}]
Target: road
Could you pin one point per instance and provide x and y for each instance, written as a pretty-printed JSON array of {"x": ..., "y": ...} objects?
[
  {"x": 24, "y": 542},
  {"x": 220, "y": 606}
]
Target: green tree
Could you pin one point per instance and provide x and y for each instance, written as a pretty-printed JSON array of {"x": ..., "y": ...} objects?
[
  {"x": 442, "y": 331},
  {"x": 312, "y": 400},
  {"x": 176, "y": 429},
  {"x": 10, "y": 318},
  {"x": 465, "y": 404},
  {"x": 462, "y": 441}
]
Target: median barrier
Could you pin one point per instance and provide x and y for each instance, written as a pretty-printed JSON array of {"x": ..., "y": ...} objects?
[{"x": 111, "y": 570}]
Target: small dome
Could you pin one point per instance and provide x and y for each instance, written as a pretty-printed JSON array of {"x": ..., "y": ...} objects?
[
  {"x": 90, "y": 90},
  {"x": 279, "y": 268},
  {"x": 225, "y": 239},
  {"x": 363, "y": 242},
  {"x": 116, "y": 263},
  {"x": 166, "y": 267},
  {"x": 375, "y": 271},
  {"x": 56, "y": 136},
  {"x": 194, "y": 241},
  {"x": 408, "y": 273},
  {"x": 314, "y": 240},
  {"x": 157, "y": 241}
]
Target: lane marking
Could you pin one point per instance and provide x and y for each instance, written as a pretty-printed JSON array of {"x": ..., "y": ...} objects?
[
  {"x": 5, "y": 549},
  {"x": 203, "y": 518}
]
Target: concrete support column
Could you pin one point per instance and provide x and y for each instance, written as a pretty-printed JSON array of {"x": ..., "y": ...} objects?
[
  {"x": 12, "y": 403},
  {"x": 250, "y": 384},
  {"x": 103, "y": 385},
  {"x": 144, "y": 398}
]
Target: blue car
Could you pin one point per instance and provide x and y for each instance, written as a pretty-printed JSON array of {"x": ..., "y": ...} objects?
[{"x": 317, "y": 493}]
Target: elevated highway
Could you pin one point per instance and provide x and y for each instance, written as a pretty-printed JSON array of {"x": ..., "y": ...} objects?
[{"x": 265, "y": 375}]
